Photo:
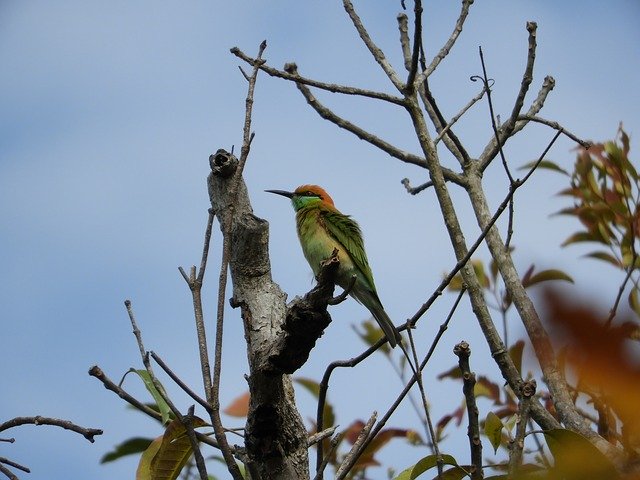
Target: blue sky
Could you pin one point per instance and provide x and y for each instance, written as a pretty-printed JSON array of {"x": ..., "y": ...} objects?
[{"x": 108, "y": 113}]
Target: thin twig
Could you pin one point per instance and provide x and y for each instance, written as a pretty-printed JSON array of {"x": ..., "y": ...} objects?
[
  {"x": 351, "y": 458},
  {"x": 87, "y": 433},
  {"x": 8, "y": 473},
  {"x": 393, "y": 151},
  {"x": 187, "y": 421},
  {"x": 491, "y": 150},
  {"x": 330, "y": 87},
  {"x": 527, "y": 78},
  {"x": 136, "y": 330},
  {"x": 194, "y": 281},
  {"x": 556, "y": 126},
  {"x": 517, "y": 184},
  {"x": 415, "y": 190},
  {"x": 417, "y": 39},
  {"x": 516, "y": 445},
  {"x": 377, "y": 54},
  {"x": 405, "y": 42},
  {"x": 539, "y": 444},
  {"x": 97, "y": 372},
  {"x": 324, "y": 384},
  {"x": 443, "y": 284},
  {"x": 496, "y": 132},
  {"x": 463, "y": 352},
  {"x": 333, "y": 445},
  {"x": 179, "y": 382},
  {"x": 13, "y": 464},
  {"x": 184, "y": 420},
  {"x": 318, "y": 437},
  {"x": 446, "y": 48},
  {"x": 623, "y": 285},
  {"x": 425, "y": 404},
  {"x": 443, "y": 327},
  {"x": 457, "y": 116},
  {"x": 328, "y": 114}
]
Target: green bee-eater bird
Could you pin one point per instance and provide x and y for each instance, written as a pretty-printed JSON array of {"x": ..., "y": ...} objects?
[{"x": 321, "y": 229}]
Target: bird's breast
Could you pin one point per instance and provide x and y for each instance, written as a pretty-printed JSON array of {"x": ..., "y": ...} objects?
[{"x": 318, "y": 244}]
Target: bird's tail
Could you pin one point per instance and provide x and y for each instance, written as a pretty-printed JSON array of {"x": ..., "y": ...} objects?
[{"x": 371, "y": 301}]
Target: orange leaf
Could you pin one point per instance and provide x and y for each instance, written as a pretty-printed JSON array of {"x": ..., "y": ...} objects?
[{"x": 239, "y": 407}]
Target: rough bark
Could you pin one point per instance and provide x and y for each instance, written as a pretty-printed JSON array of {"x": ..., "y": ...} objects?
[{"x": 275, "y": 436}]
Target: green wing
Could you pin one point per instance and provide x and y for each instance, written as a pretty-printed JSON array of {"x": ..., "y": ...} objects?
[{"x": 347, "y": 232}]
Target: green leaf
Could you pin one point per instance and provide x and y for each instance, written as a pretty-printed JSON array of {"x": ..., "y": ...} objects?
[
  {"x": 128, "y": 447},
  {"x": 144, "y": 465},
  {"x": 546, "y": 165},
  {"x": 546, "y": 275},
  {"x": 605, "y": 257},
  {"x": 576, "y": 458},
  {"x": 478, "y": 268},
  {"x": 454, "y": 373},
  {"x": 582, "y": 237},
  {"x": 172, "y": 453},
  {"x": 424, "y": 464},
  {"x": 157, "y": 395},
  {"x": 371, "y": 333},
  {"x": 493, "y": 430},
  {"x": 455, "y": 473}
]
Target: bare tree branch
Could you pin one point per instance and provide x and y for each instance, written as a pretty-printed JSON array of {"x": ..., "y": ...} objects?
[
  {"x": 318, "y": 437},
  {"x": 417, "y": 41},
  {"x": 451, "y": 141},
  {"x": 405, "y": 42},
  {"x": 527, "y": 78},
  {"x": 8, "y": 473},
  {"x": 516, "y": 445},
  {"x": 13, "y": 464},
  {"x": 184, "y": 420},
  {"x": 377, "y": 54},
  {"x": 463, "y": 352},
  {"x": 194, "y": 281},
  {"x": 491, "y": 150},
  {"x": 497, "y": 133},
  {"x": 446, "y": 48},
  {"x": 179, "y": 382},
  {"x": 327, "y": 114},
  {"x": 87, "y": 433},
  {"x": 356, "y": 450},
  {"x": 330, "y": 87},
  {"x": 458, "y": 115},
  {"x": 556, "y": 126},
  {"x": 97, "y": 372}
]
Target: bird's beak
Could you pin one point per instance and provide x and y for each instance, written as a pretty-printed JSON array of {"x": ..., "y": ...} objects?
[{"x": 281, "y": 192}]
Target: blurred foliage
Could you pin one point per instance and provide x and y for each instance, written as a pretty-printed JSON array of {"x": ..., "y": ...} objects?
[{"x": 605, "y": 190}]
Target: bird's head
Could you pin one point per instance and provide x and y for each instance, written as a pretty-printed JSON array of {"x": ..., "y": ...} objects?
[{"x": 306, "y": 195}]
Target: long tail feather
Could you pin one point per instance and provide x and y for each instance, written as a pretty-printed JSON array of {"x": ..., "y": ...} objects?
[
  {"x": 371, "y": 301},
  {"x": 386, "y": 325}
]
